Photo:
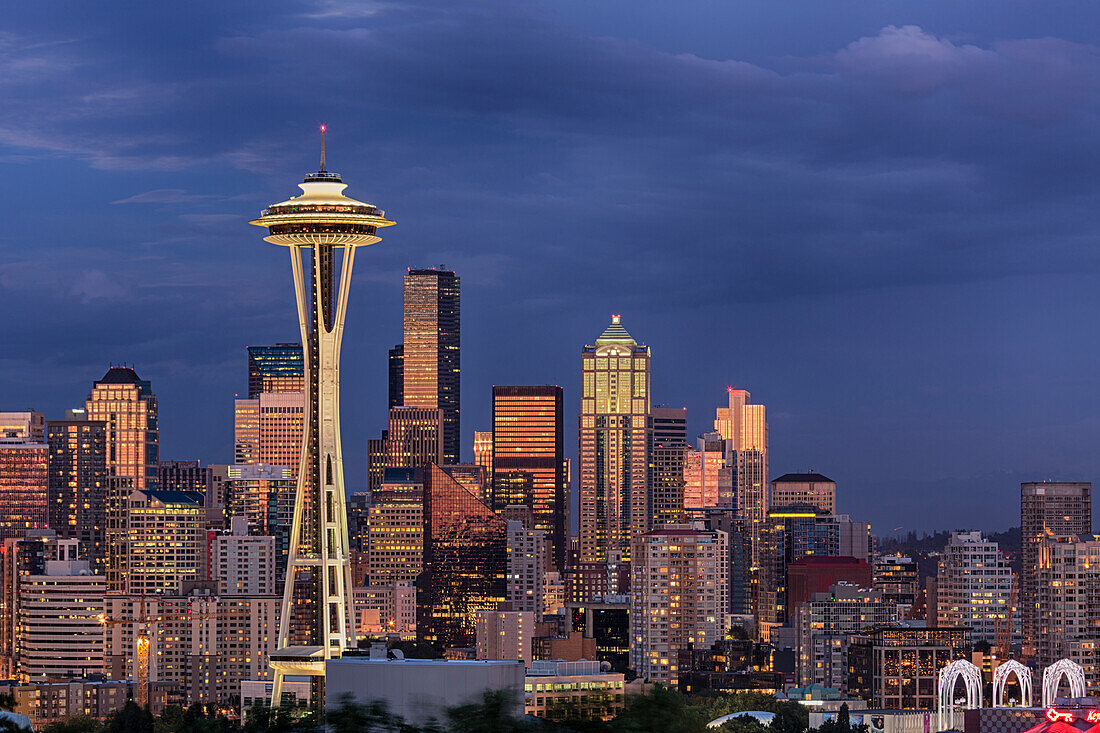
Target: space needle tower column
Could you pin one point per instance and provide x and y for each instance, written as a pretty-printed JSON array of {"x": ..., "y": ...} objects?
[{"x": 322, "y": 229}]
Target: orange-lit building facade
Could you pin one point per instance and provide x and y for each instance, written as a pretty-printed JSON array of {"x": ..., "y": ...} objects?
[
  {"x": 269, "y": 428},
  {"x": 277, "y": 368},
  {"x": 483, "y": 451},
  {"x": 708, "y": 474},
  {"x": 745, "y": 426},
  {"x": 613, "y": 445},
  {"x": 128, "y": 408},
  {"x": 78, "y": 484},
  {"x": 528, "y": 436},
  {"x": 465, "y": 562},
  {"x": 24, "y": 486},
  {"x": 431, "y": 356}
]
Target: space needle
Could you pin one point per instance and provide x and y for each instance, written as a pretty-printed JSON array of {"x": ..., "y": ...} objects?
[{"x": 322, "y": 228}]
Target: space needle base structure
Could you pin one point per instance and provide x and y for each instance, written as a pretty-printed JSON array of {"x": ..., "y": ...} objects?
[{"x": 322, "y": 229}]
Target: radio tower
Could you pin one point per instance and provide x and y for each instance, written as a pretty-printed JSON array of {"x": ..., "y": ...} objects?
[{"x": 322, "y": 228}]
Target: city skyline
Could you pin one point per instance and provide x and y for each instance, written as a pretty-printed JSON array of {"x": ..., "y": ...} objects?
[{"x": 824, "y": 167}]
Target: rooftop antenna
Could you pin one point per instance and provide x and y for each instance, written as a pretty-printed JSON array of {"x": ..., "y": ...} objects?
[{"x": 322, "y": 148}]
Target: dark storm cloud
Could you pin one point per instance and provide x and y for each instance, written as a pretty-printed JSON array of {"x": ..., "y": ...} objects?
[{"x": 564, "y": 173}]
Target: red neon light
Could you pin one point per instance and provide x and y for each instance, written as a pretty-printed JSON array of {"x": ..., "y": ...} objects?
[
  {"x": 1054, "y": 716},
  {"x": 1093, "y": 716}
]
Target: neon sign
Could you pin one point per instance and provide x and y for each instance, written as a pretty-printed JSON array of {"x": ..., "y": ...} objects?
[{"x": 1054, "y": 715}]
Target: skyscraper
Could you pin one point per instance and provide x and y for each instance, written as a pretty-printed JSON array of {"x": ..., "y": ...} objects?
[
  {"x": 269, "y": 428},
  {"x": 277, "y": 368},
  {"x": 483, "y": 451},
  {"x": 528, "y": 436},
  {"x": 127, "y": 406},
  {"x": 679, "y": 596},
  {"x": 974, "y": 586},
  {"x": 804, "y": 488},
  {"x": 24, "y": 486},
  {"x": 396, "y": 376},
  {"x": 465, "y": 562},
  {"x": 744, "y": 425},
  {"x": 322, "y": 228},
  {"x": 430, "y": 363},
  {"x": 709, "y": 473},
  {"x": 667, "y": 455},
  {"x": 165, "y": 540},
  {"x": 415, "y": 437},
  {"x": 1059, "y": 508},
  {"x": 613, "y": 445},
  {"x": 78, "y": 484}
]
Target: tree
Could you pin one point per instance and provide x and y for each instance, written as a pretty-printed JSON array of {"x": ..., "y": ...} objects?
[
  {"x": 75, "y": 724},
  {"x": 353, "y": 717},
  {"x": 131, "y": 719}
]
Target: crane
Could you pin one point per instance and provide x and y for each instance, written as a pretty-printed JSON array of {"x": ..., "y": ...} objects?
[
  {"x": 1002, "y": 626},
  {"x": 144, "y": 621}
]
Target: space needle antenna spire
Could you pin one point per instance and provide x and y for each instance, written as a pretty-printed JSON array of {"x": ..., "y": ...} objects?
[{"x": 322, "y": 148}]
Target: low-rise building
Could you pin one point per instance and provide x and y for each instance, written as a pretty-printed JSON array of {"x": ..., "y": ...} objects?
[
  {"x": 420, "y": 689},
  {"x": 53, "y": 702},
  {"x": 556, "y": 689},
  {"x": 729, "y": 665},
  {"x": 505, "y": 635},
  {"x": 897, "y": 667}
]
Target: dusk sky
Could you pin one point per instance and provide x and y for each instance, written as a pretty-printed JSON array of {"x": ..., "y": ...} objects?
[{"x": 878, "y": 217}]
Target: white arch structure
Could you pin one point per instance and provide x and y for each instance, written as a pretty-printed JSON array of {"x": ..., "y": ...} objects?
[
  {"x": 972, "y": 678},
  {"x": 1000, "y": 679},
  {"x": 1053, "y": 675}
]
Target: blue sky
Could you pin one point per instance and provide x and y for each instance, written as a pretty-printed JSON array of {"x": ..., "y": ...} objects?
[{"x": 878, "y": 217}]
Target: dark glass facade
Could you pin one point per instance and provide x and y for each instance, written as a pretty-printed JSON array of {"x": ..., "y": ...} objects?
[
  {"x": 528, "y": 436},
  {"x": 397, "y": 376},
  {"x": 277, "y": 368},
  {"x": 465, "y": 562},
  {"x": 78, "y": 484}
]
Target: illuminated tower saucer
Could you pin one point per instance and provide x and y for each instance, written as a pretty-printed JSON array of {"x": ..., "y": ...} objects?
[{"x": 322, "y": 228}]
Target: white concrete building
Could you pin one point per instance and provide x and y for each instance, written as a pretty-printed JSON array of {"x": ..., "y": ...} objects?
[
  {"x": 974, "y": 585},
  {"x": 60, "y": 632},
  {"x": 527, "y": 563},
  {"x": 243, "y": 564},
  {"x": 679, "y": 595}
]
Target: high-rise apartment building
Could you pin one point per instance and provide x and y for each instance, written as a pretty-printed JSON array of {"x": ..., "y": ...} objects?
[
  {"x": 483, "y": 451},
  {"x": 277, "y": 368},
  {"x": 243, "y": 564},
  {"x": 128, "y": 408},
  {"x": 745, "y": 426},
  {"x": 205, "y": 643},
  {"x": 24, "y": 486},
  {"x": 528, "y": 436},
  {"x": 78, "y": 484},
  {"x": 164, "y": 541},
  {"x": 431, "y": 356},
  {"x": 505, "y": 635},
  {"x": 1067, "y": 594},
  {"x": 826, "y": 622},
  {"x": 614, "y": 445},
  {"x": 268, "y": 429},
  {"x": 22, "y": 427},
  {"x": 465, "y": 562},
  {"x": 974, "y": 586},
  {"x": 804, "y": 488},
  {"x": 21, "y": 557},
  {"x": 896, "y": 577},
  {"x": 527, "y": 562},
  {"x": 60, "y": 625},
  {"x": 667, "y": 453},
  {"x": 1060, "y": 508},
  {"x": 679, "y": 596}
]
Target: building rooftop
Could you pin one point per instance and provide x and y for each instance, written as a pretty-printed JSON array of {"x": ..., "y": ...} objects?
[
  {"x": 120, "y": 375},
  {"x": 802, "y": 478},
  {"x": 615, "y": 334},
  {"x": 175, "y": 497}
]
